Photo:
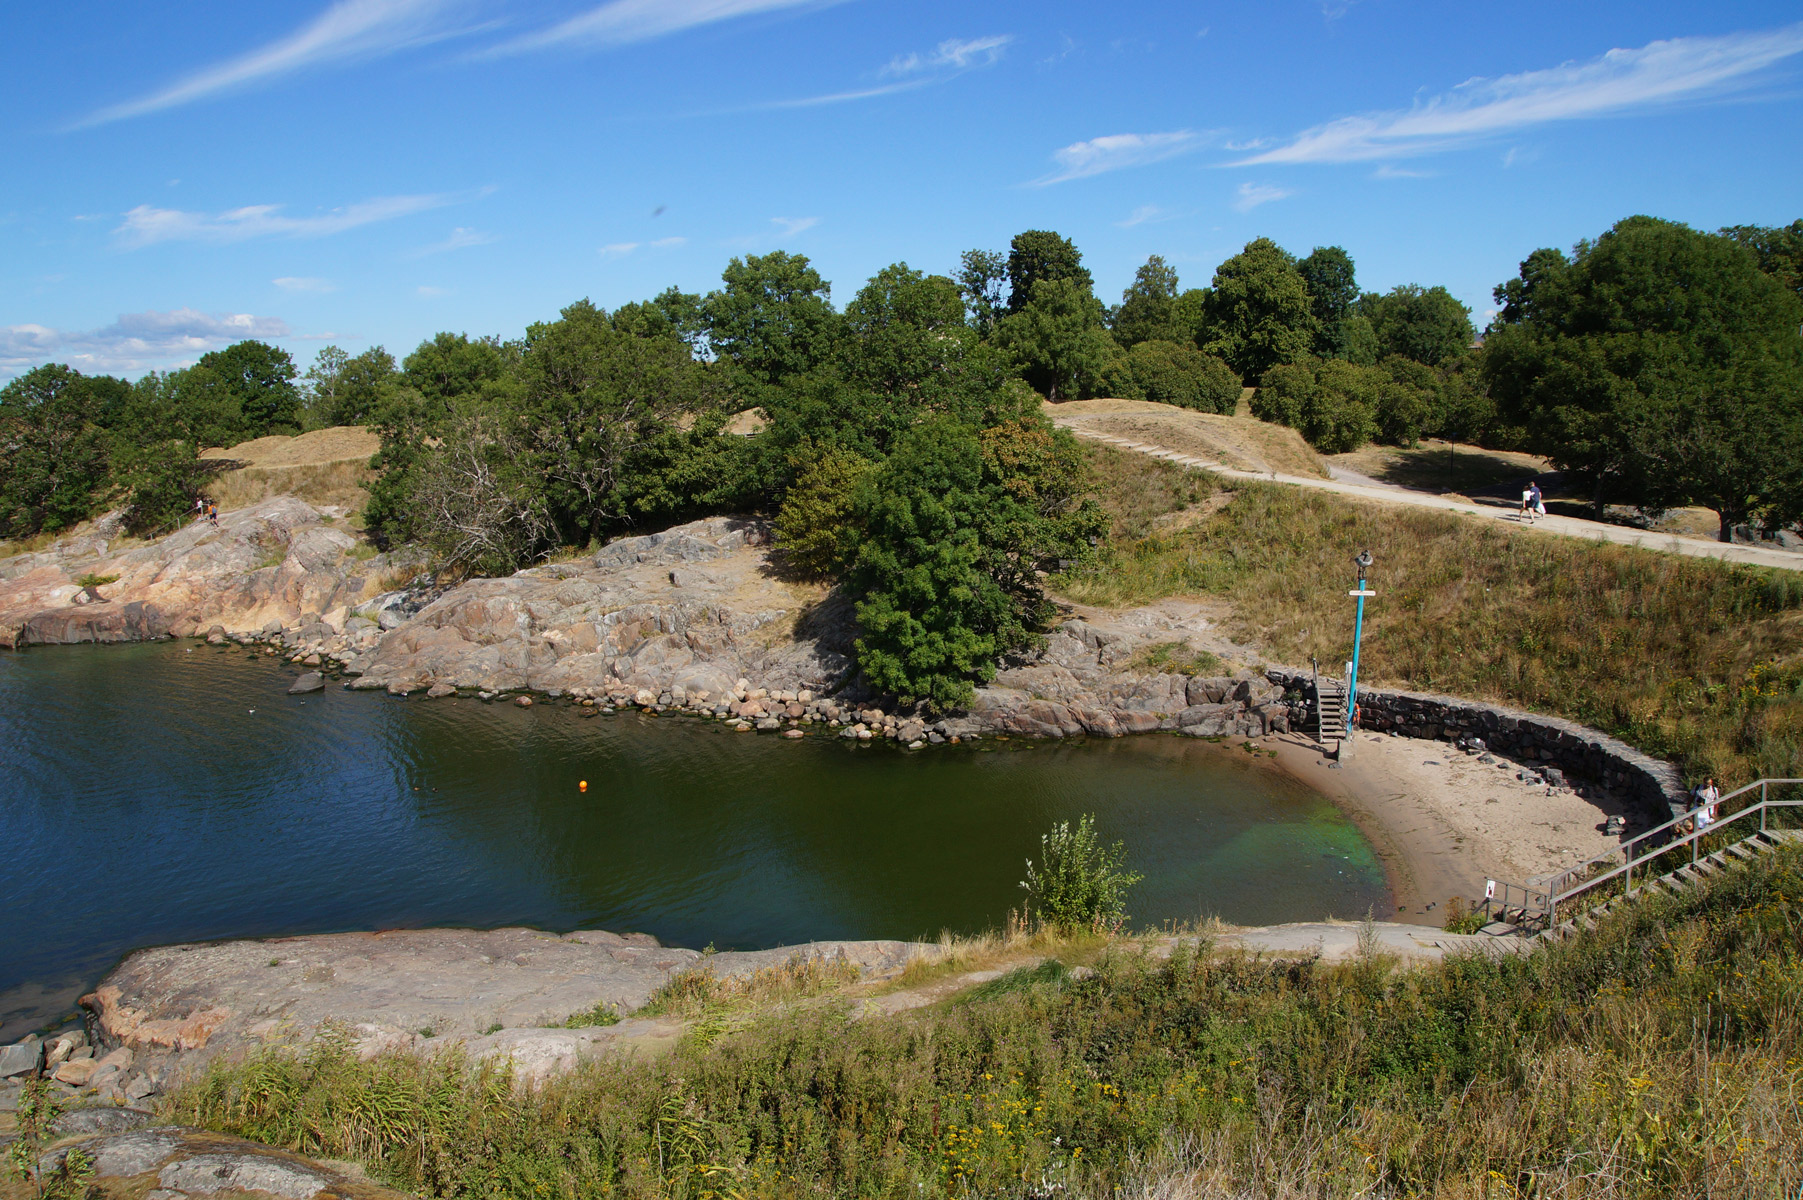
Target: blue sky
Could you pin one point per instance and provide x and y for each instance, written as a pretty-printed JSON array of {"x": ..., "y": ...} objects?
[{"x": 182, "y": 175}]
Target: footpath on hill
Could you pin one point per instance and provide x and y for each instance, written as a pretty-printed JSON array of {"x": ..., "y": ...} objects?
[{"x": 1083, "y": 426}]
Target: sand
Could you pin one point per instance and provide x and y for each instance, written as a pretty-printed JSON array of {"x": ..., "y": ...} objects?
[{"x": 1442, "y": 823}]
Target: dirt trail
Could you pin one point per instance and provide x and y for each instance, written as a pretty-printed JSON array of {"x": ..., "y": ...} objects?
[{"x": 1388, "y": 494}]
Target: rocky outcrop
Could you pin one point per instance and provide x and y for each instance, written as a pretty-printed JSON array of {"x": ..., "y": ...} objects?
[
  {"x": 172, "y": 1162},
  {"x": 276, "y": 561},
  {"x": 507, "y": 993},
  {"x": 689, "y": 611}
]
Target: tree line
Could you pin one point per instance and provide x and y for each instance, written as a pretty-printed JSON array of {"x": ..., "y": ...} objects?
[{"x": 904, "y": 450}]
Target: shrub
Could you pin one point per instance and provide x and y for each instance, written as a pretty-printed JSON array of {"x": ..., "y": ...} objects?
[
  {"x": 1169, "y": 373},
  {"x": 1079, "y": 882},
  {"x": 812, "y": 523}
]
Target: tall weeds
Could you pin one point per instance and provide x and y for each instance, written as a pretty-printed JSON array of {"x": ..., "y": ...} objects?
[{"x": 1656, "y": 1056}]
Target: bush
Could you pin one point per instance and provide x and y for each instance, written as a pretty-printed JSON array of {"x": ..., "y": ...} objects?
[
  {"x": 812, "y": 524},
  {"x": 1079, "y": 882},
  {"x": 1329, "y": 403},
  {"x": 1169, "y": 373}
]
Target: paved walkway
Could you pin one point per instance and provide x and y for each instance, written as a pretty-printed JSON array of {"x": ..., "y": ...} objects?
[{"x": 1390, "y": 494}]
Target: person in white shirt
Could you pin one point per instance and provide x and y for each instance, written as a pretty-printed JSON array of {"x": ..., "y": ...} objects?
[{"x": 1706, "y": 797}]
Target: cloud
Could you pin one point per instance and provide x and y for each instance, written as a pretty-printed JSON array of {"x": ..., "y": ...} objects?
[
  {"x": 1140, "y": 215},
  {"x": 298, "y": 283},
  {"x": 460, "y": 239},
  {"x": 666, "y": 243},
  {"x": 1619, "y": 81},
  {"x": 134, "y": 342},
  {"x": 621, "y": 22},
  {"x": 618, "y": 249},
  {"x": 794, "y": 225},
  {"x": 1251, "y": 195},
  {"x": 1117, "y": 150},
  {"x": 349, "y": 29},
  {"x": 1333, "y": 10},
  {"x": 1390, "y": 171},
  {"x": 952, "y": 55},
  {"x": 145, "y": 225}
]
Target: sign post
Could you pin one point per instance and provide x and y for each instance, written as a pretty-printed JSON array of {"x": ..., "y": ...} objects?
[{"x": 1364, "y": 561}]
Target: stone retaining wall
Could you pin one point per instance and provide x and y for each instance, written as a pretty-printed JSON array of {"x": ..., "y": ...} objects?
[{"x": 1526, "y": 737}]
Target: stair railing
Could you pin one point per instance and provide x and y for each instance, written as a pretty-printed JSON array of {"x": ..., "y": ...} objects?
[{"x": 1645, "y": 848}]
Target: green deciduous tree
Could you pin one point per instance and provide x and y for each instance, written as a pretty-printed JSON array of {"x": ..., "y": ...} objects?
[
  {"x": 1259, "y": 311},
  {"x": 56, "y": 453},
  {"x": 983, "y": 283},
  {"x": 1333, "y": 291},
  {"x": 1059, "y": 340},
  {"x": 774, "y": 319},
  {"x": 1041, "y": 255},
  {"x": 1078, "y": 883},
  {"x": 258, "y": 379},
  {"x": 1148, "y": 309},
  {"x": 1778, "y": 250},
  {"x": 344, "y": 389},
  {"x": 1660, "y": 365},
  {"x": 1428, "y": 325}
]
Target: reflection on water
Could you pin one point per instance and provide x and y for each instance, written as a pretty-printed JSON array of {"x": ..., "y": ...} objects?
[{"x": 153, "y": 794}]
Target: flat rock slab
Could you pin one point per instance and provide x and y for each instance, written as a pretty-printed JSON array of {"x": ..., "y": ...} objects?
[
  {"x": 1336, "y": 941},
  {"x": 406, "y": 988},
  {"x": 311, "y": 681},
  {"x": 173, "y": 1162}
]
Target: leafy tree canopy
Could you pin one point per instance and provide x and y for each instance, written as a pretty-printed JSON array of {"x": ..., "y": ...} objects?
[
  {"x": 1039, "y": 255},
  {"x": 774, "y": 319},
  {"x": 1148, "y": 306},
  {"x": 1059, "y": 339},
  {"x": 1428, "y": 325},
  {"x": 1260, "y": 312}
]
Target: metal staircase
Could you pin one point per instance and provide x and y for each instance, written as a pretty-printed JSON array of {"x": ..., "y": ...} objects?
[{"x": 1667, "y": 859}]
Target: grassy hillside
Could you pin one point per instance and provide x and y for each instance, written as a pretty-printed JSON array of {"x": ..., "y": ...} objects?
[
  {"x": 1658, "y": 1056},
  {"x": 1688, "y": 658},
  {"x": 326, "y": 466}
]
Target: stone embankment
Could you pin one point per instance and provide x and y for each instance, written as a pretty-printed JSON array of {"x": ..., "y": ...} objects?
[{"x": 1561, "y": 753}]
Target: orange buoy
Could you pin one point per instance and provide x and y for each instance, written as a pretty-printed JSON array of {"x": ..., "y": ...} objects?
[{"x": 583, "y": 786}]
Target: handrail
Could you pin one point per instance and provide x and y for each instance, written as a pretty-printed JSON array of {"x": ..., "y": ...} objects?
[{"x": 1560, "y": 887}]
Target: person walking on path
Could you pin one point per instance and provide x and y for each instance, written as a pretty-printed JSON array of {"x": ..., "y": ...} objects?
[
  {"x": 1527, "y": 503},
  {"x": 213, "y": 515},
  {"x": 1536, "y": 501}
]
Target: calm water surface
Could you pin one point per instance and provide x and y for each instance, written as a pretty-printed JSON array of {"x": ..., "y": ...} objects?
[{"x": 154, "y": 794}]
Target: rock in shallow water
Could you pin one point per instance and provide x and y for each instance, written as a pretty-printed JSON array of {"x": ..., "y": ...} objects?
[{"x": 312, "y": 681}]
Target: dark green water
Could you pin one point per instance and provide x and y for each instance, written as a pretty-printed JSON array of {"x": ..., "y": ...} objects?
[{"x": 154, "y": 794}]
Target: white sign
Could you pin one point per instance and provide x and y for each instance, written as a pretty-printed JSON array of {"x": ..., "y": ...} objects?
[
  {"x": 1364, "y": 593},
  {"x": 1489, "y": 889}
]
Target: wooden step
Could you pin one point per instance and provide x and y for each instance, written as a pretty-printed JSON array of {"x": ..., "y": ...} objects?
[{"x": 1739, "y": 850}]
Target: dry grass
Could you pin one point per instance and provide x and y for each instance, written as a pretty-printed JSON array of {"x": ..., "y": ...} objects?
[
  {"x": 29, "y": 545},
  {"x": 334, "y": 444},
  {"x": 1244, "y": 443},
  {"x": 1655, "y": 1056},
  {"x": 1688, "y": 658},
  {"x": 339, "y": 483}
]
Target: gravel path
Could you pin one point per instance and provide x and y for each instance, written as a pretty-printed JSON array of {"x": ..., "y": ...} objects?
[{"x": 1387, "y": 494}]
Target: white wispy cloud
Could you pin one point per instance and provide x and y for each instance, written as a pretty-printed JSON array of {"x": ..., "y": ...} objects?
[
  {"x": 791, "y": 226},
  {"x": 1391, "y": 171},
  {"x": 1251, "y": 195},
  {"x": 665, "y": 243},
  {"x": 624, "y": 21},
  {"x": 304, "y": 283},
  {"x": 134, "y": 342},
  {"x": 1140, "y": 215},
  {"x": 349, "y": 29},
  {"x": 1618, "y": 82},
  {"x": 951, "y": 55},
  {"x": 460, "y": 239},
  {"x": 1117, "y": 150},
  {"x": 618, "y": 249},
  {"x": 146, "y": 225}
]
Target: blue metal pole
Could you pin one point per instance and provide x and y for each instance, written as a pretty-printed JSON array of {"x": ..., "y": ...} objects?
[{"x": 1358, "y": 633}]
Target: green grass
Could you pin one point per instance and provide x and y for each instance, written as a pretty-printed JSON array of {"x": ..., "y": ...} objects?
[
  {"x": 1687, "y": 658},
  {"x": 1176, "y": 658},
  {"x": 601, "y": 1014},
  {"x": 1657, "y": 1056}
]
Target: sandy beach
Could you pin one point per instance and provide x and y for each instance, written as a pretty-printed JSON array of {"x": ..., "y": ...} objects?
[{"x": 1441, "y": 822}]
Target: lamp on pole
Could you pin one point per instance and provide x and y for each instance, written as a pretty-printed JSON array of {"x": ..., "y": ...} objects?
[{"x": 1363, "y": 560}]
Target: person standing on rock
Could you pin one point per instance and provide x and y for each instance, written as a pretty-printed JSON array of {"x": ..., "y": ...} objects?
[
  {"x": 213, "y": 515},
  {"x": 200, "y": 509}
]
